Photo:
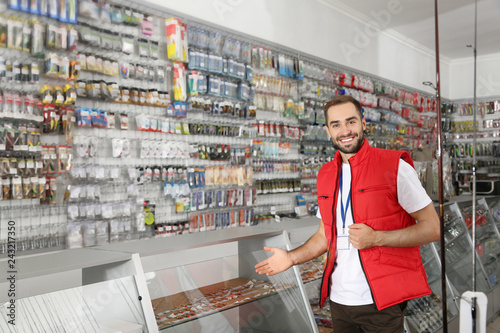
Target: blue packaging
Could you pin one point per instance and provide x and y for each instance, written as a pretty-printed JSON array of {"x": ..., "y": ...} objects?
[
  {"x": 224, "y": 66},
  {"x": 170, "y": 111},
  {"x": 213, "y": 63},
  {"x": 236, "y": 50},
  {"x": 203, "y": 61},
  {"x": 194, "y": 202},
  {"x": 54, "y": 9},
  {"x": 202, "y": 84},
  {"x": 44, "y": 7},
  {"x": 35, "y": 7},
  {"x": 24, "y": 5},
  {"x": 192, "y": 64},
  {"x": 13, "y": 4},
  {"x": 249, "y": 73},
  {"x": 214, "y": 85}
]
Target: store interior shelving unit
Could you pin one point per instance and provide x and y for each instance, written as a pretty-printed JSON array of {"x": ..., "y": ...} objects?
[
  {"x": 98, "y": 197},
  {"x": 459, "y": 136}
]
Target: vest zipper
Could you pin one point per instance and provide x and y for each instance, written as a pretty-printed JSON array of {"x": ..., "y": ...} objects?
[
  {"x": 373, "y": 188},
  {"x": 359, "y": 252},
  {"x": 335, "y": 192}
]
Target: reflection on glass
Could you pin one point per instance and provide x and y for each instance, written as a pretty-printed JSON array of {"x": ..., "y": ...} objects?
[{"x": 226, "y": 295}]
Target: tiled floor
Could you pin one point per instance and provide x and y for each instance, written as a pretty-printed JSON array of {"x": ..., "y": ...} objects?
[{"x": 494, "y": 327}]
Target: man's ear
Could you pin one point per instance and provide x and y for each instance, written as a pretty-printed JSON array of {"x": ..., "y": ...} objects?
[{"x": 327, "y": 131}]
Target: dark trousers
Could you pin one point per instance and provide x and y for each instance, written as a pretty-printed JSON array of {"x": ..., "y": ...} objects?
[{"x": 367, "y": 319}]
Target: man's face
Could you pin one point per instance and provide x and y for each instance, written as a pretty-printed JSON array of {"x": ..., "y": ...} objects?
[{"x": 345, "y": 127}]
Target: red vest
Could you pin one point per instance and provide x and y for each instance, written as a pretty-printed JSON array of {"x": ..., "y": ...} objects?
[{"x": 393, "y": 274}]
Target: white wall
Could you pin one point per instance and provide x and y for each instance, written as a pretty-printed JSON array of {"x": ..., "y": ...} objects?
[
  {"x": 488, "y": 77},
  {"x": 321, "y": 29}
]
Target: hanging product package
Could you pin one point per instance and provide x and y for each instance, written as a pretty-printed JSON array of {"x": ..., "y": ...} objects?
[
  {"x": 63, "y": 10},
  {"x": 26, "y": 40},
  {"x": 177, "y": 47},
  {"x": 116, "y": 14},
  {"x": 127, "y": 44},
  {"x": 88, "y": 9},
  {"x": 72, "y": 15},
  {"x": 13, "y": 4},
  {"x": 3, "y": 32},
  {"x": 14, "y": 34},
  {"x": 179, "y": 82},
  {"x": 147, "y": 26},
  {"x": 143, "y": 47},
  {"x": 105, "y": 16},
  {"x": 154, "y": 52},
  {"x": 72, "y": 35},
  {"x": 54, "y": 9},
  {"x": 43, "y": 7}
]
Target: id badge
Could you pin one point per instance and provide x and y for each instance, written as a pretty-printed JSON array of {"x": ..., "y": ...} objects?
[{"x": 343, "y": 243}]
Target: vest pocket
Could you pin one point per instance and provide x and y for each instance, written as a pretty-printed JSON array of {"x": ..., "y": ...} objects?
[
  {"x": 398, "y": 261},
  {"x": 375, "y": 188},
  {"x": 324, "y": 204}
]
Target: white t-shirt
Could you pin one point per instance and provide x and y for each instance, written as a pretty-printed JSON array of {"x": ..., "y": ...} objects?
[{"x": 349, "y": 284}]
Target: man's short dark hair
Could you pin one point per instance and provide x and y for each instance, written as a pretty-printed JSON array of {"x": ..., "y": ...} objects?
[{"x": 342, "y": 99}]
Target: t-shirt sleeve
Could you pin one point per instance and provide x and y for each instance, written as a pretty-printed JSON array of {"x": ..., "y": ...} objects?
[{"x": 411, "y": 194}]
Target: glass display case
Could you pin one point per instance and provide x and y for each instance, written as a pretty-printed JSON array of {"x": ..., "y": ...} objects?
[
  {"x": 487, "y": 239},
  {"x": 225, "y": 294},
  {"x": 91, "y": 308},
  {"x": 82, "y": 290},
  {"x": 204, "y": 282},
  {"x": 425, "y": 314},
  {"x": 312, "y": 272},
  {"x": 458, "y": 247}
]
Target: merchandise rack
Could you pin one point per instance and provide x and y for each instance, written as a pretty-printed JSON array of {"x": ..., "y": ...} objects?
[{"x": 135, "y": 137}]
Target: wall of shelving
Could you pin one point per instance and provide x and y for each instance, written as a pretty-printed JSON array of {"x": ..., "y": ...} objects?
[
  {"x": 386, "y": 55},
  {"x": 128, "y": 149},
  {"x": 459, "y": 141}
]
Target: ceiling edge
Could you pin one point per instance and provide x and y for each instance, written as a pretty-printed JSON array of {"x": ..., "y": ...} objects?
[
  {"x": 348, "y": 11},
  {"x": 487, "y": 57}
]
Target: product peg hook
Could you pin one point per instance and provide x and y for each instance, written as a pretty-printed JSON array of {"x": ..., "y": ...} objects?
[{"x": 430, "y": 84}]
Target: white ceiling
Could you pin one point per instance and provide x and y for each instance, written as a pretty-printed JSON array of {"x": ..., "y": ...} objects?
[{"x": 414, "y": 19}]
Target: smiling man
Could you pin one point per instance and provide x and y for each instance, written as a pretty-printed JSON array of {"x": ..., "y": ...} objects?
[{"x": 369, "y": 201}]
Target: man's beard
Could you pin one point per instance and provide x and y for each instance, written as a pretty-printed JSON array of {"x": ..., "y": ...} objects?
[{"x": 354, "y": 148}]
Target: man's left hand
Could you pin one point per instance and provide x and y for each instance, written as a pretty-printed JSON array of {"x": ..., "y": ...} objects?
[{"x": 362, "y": 236}]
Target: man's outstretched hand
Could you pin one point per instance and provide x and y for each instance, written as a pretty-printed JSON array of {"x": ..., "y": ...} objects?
[{"x": 280, "y": 261}]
